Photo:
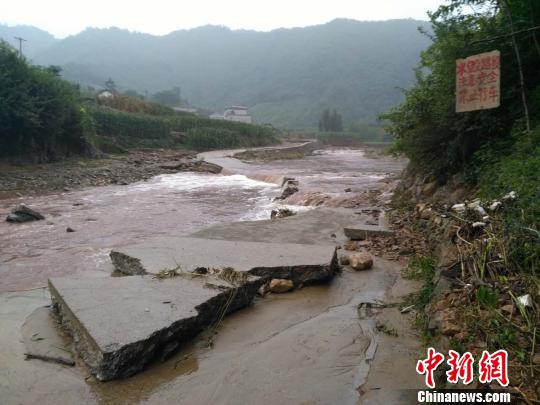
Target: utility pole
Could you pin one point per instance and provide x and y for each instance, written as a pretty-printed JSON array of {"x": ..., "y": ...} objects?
[
  {"x": 20, "y": 45},
  {"x": 518, "y": 58}
]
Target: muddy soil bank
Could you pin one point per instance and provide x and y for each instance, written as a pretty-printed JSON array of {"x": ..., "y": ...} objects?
[{"x": 82, "y": 172}]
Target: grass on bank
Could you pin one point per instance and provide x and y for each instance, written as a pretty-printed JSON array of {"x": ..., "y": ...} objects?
[{"x": 421, "y": 268}]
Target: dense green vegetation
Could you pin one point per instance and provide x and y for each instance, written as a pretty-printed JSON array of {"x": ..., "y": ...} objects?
[
  {"x": 492, "y": 152},
  {"x": 39, "y": 113},
  {"x": 517, "y": 168},
  {"x": 493, "y": 148},
  {"x": 43, "y": 118},
  {"x": 287, "y": 77},
  {"x": 426, "y": 124}
]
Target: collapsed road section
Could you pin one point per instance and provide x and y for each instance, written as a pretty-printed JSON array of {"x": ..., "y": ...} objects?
[
  {"x": 120, "y": 324},
  {"x": 176, "y": 288},
  {"x": 300, "y": 263}
]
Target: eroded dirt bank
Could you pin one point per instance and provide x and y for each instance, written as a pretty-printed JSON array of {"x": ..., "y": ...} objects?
[
  {"x": 75, "y": 173},
  {"x": 319, "y": 344}
]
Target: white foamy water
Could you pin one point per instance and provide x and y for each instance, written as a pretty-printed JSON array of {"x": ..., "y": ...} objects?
[
  {"x": 168, "y": 205},
  {"x": 194, "y": 181}
]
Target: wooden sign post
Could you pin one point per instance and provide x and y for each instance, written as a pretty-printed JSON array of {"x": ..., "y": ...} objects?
[{"x": 478, "y": 82}]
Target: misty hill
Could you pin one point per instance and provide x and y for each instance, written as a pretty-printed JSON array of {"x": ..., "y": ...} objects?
[
  {"x": 37, "y": 40},
  {"x": 286, "y": 76}
]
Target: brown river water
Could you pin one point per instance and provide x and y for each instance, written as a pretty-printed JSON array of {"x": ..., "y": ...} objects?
[
  {"x": 166, "y": 205},
  {"x": 306, "y": 347}
]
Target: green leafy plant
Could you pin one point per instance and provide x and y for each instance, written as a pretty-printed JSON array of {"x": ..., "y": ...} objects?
[{"x": 487, "y": 297}]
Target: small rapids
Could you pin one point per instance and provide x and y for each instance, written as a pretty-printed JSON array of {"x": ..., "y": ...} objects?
[
  {"x": 318, "y": 350},
  {"x": 106, "y": 217},
  {"x": 166, "y": 205}
]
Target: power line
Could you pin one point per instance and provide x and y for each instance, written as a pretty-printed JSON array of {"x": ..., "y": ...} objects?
[
  {"x": 20, "y": 45},
  {"x": 506, "y": 35}
]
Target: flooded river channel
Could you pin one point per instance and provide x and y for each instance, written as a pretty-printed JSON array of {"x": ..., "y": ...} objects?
[{"x": 306, "y": 347}]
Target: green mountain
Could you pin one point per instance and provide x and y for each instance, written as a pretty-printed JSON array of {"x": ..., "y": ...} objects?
[
  {"x": 287, "y": 76},
  {"x": 36, "y": 42}
]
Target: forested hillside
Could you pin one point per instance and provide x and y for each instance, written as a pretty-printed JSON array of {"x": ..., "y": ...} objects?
[
  {"x": 485, "y": 158},
  {"x": 287, "y": 76},
  {"x": 36, "y": 42}
]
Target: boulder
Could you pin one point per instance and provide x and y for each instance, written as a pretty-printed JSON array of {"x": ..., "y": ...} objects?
[
  {"x": 23, "y": 213},
  {"x": 344, "y": 260},
  {"x": 281, "y": 213},
  {"x": 279, "y": 285},
  {"x": 361, "y": 261}
]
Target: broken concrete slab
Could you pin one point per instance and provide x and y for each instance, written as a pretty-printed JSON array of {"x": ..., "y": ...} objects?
[
  {"x": 297, "y": 262},
  {"x": 121, "y": 324},
  {"x": 364, "y": 231}
]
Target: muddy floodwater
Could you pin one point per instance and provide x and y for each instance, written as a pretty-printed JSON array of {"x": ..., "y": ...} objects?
[
  {"x": 306, "y": 347},
  {"x": 166, "y": 205}
]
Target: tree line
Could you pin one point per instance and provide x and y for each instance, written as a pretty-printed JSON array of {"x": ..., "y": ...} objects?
[
  {"x": 330, "y": 121},
  {"x": 39, "y": 112}
]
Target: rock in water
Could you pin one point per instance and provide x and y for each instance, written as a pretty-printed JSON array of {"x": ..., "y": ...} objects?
[
  {"x": 361, "y": 261},
  {"x": 279, "y": 285},
  {"x": 290, "y": 187},
  {"x": 23, "y": 213},
  {"x": 281, "y": 213}
]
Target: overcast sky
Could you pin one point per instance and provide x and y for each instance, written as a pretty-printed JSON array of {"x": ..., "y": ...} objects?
[{"x": 67, "y": 17}]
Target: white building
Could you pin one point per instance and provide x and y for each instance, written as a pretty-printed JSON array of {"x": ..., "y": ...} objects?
[
  {"x": 105, "y": 94},
  {"x": 237, "y": 113}
]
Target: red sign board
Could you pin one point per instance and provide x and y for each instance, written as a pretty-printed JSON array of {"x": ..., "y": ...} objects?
[{"x": 478, "y": 82}]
